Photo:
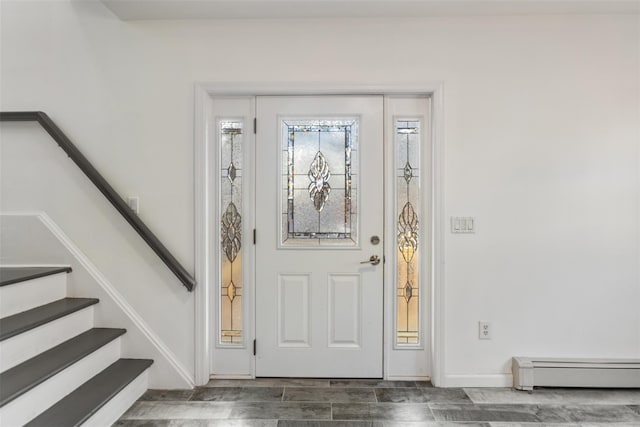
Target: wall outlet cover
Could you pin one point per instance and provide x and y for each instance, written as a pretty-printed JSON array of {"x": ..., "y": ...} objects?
[{"x": 484, "y": 330}]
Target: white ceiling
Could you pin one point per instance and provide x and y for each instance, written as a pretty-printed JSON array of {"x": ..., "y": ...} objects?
[{"x": 234, "y": 9}]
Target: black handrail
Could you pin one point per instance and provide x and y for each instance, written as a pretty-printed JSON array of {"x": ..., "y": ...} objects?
[{"x": 105, "y": 188}]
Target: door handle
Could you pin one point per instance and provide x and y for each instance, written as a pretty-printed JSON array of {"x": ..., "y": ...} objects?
[{"x": 373, "y": 260}]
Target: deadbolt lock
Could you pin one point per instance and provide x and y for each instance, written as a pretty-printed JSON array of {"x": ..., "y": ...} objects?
[{"x": 375, "y": 240}]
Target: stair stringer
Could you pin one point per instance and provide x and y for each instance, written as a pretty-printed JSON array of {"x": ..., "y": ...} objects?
[{"x": 140, "y": 341}]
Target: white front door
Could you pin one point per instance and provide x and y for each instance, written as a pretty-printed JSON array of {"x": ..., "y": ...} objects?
[{"x": 319, "y": 220}]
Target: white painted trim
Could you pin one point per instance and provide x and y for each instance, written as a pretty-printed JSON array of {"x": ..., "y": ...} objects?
[
  {"x": 414, "y": 378},
  {"x": 231, "y": 377},
  {"x": 118, "y": 404},
  {"x": 202, "y": 211},
  {"x": 33, "y": 265},
  {"x": 388, "y": 303},
  {"x": 321, "y": 10},
  {"x": 110, "y": 290},
  {"x": 249, "y": 268},
  {"x": 438, "y": 298},
  {"x": 203, "y": 91},
  {"x": 21, "y": 213},
  {"x": 310, "y": 88},
  {"x": 478, "y": 380}
]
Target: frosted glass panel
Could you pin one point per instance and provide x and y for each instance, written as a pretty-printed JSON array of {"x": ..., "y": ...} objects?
[
  {"x": 407, "y": 139},
  {"x": 230, "y": 144},
  {"x": 319, "y": 180}
]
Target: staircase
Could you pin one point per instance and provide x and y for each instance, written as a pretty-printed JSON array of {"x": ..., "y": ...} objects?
[{"x": 57, "y": 369}]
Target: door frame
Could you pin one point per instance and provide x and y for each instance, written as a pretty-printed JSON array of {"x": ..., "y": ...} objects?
[{"x": 203, "y": 211}]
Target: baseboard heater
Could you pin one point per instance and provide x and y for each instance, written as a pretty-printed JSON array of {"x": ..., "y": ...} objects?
[{"x": 529, "y": 372}]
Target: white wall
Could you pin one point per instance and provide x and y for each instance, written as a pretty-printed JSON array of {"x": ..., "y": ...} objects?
[{"x": 541, "y": 133}]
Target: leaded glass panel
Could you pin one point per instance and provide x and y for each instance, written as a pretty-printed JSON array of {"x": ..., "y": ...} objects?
[
  {"x": 408, "y": 242},
  {"x": 231, "y": 283},
  {"x": 319, "y": 182}
]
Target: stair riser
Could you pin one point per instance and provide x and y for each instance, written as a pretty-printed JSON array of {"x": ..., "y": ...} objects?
[
  {"x": 29, "y": 294},
  {"x": 113, "y": 410},
  {"x": 19, "y": 348},
  {"x": 30, "y": 404}
]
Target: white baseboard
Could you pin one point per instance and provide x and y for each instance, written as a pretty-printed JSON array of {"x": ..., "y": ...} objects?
[
  {"x": 410, "y": 378},
  {"x": 231, "y": 377},
  {"x": 478, "y": 380}
]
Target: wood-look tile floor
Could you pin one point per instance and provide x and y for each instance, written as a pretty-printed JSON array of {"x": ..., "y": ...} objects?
[{"x": 288, "y": 402}]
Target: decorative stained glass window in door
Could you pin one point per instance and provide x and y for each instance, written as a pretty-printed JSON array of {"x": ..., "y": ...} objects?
[
  {"x": 407, "y": 140},
  {"x": 231, "y": 163},
  {"x": 319, "y": 182}
]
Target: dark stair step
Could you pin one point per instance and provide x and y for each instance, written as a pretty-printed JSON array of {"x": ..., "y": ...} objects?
[
  {"x": 22, "y": 322},
  {"x": 25, "y": 376},
  {"x": 11, "y": 275},
  {"x": 86, "y": 400}
]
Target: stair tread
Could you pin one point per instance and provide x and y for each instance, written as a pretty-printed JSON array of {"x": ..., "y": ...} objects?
[
  {"x": 11, "y": 275},
  {"x": 27, "y": 375},
  {"x": 22, "y": 322},
  {"x": 86, "y": 400}
]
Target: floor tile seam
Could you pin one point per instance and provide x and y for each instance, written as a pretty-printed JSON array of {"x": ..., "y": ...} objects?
[
  {"x": 336, "y": 388},
  {"x": 540, "y": 421},
  {"x": 437, "y": 403},
  {"x": 383, "y": 388},
  {"x": 190, "y": 400},
  {"x": 214, "y": 418},
  {"x": 223, "y": 401},
  {"x": 387, "y": 388},
  {"x": 554, "y": 404},
  {"x": 466, "y": 394},
  {"x": 249, "y": 401},
  {"x": 615, "y": 423},
  {"x": 230, "y": 416},
  {"x": 331, "y": 401},
  {"x": 262, "y": 386},
  {"x": 570, "y": 404}
]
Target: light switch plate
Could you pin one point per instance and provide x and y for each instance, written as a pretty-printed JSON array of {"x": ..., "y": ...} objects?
[
  {"x": 463, "y": 224},
  {"x": 134, "y": 204}
]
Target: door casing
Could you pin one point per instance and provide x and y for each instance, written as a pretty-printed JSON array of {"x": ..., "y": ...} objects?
[{"x": 204, "y": 309}]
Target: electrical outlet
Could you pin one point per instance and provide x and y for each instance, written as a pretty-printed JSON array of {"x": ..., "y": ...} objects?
[
  {"x": 134, "y": 204},
  {"x": 484, "y": 330}
]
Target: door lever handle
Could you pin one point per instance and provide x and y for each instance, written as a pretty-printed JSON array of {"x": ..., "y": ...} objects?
[{"x": 373, "y": 260}]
